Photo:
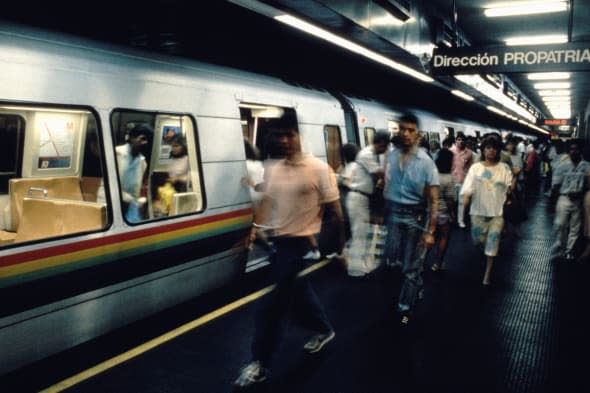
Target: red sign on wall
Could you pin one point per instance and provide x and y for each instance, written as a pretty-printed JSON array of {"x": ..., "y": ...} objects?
[{"x": 556, "y": 122}]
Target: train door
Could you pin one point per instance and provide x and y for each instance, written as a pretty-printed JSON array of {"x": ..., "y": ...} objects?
[
  {"x": 258, "y": 122},
  {"x": 368, "y": 133},
  {"x": 162, "y": 178},
  {"x": 450, "y": 132},
  {"x": 51, "y": 173},
  {"x": 393, "y": 127},
  {"x": 333, "y": 141}
]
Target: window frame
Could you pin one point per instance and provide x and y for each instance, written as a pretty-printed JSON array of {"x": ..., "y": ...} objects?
[
  {"x": 196, "y": 160},
  {"x": 20, "y": 145},
  {"x": 59, "y": 107}
]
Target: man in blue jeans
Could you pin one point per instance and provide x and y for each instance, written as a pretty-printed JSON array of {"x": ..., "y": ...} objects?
[
  {"x": 299, "y": 188},
  {"x": 411, "y": 198}
]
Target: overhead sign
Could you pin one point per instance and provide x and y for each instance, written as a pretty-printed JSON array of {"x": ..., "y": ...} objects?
[
  {"x": 556, "y": 122},
  {"x": 573, "y": 56}
]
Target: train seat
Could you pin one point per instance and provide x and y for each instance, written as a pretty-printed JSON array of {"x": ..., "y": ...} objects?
[
  {"x": 185, "y": 202},
  {"x": 50, "y": 217},
  {"x": 89, "y": 187},
  {"x": 7, "y": 237},
  {"x": 64, "y": 187}
]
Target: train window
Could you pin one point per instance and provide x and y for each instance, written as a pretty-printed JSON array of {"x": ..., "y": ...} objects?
[
  {"x": 51, "y": 173},
  {"x": 157, "y": 161},
  {"x": 393, "y": 127},
  {"x": 369, "y": 134},
  {"x": 12, "y": 130},
  {"x": 450, "y": 132},
  {"x": 333, "y": 146},
  {"x": 424, "y": 138},
  {"x": 258, "y": 122}
]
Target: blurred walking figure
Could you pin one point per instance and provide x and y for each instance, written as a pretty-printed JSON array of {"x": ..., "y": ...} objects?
[
  {"x": 446, "y": 206},
  {"x": 571, "y": 181},
  {"x": 299, "y": 187},
  {"x": 462, "y": 161},
  {"x": 367, "y": 176},
  {"x": 345, "y": 173},
  {"x": 486, "y": 186},
  {"x": 255, "y": 183},
  {"x": 411, "y": 194}
]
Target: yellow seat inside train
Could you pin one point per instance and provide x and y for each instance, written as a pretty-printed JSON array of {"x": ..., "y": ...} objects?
[
  {"x": 48, "y": 217},
  {"x": 63, "y": 187}
]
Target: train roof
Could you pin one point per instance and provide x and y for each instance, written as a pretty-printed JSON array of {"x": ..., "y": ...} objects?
[{"x": 52, "y": 49}]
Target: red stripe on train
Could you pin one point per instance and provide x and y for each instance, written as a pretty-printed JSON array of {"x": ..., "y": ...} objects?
[{"x": 103, "y": 241}]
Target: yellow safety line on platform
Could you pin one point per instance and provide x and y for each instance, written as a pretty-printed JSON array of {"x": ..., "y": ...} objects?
[{"x": 153, "y": 343}]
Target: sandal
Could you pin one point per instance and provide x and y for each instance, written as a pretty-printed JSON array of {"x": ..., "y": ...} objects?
[{"x": 435, "y": 267}]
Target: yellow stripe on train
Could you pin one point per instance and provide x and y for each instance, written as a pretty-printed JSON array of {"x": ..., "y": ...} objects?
[{"x": 128, "y": 248}]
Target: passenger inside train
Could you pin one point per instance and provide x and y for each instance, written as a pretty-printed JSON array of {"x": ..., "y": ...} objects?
[{"x": 132, "y": 167}]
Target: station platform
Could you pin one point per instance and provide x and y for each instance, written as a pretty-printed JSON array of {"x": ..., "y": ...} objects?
[{"x": 527, "y": 333}]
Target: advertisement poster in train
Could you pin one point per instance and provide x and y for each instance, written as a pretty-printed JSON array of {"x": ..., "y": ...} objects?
[{"x": 56, "y": 141}]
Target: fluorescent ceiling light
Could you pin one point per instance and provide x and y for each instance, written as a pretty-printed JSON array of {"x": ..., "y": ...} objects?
[
  {"x": 351, "y": 46},
  {"x": 552, "y": 85},
  {"x": 541, "y": 76},
  {"x": 447, "y": 43},
  {"x": 562, "y": 115},
  {"x": 558, "y": 104},
  {"x": 557, "y": 99},
  {"x": 524, "y": 8},
  {"x": 479, "y": 84},
  {"x": 537, "y": 40},
  {"x": 42, "y": 109},
  {"x": 498, "y": 111},
  {"x": 253, "y": 106},
  {"x": 465, "y": 96},
  {"x": 546, "y": 93},
  {"x": 387, "y": 20}
]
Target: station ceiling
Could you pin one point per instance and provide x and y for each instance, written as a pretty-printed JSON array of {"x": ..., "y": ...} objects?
[
  {"x": 484, "y": 31},
  {"x": 231, "y": 33}
]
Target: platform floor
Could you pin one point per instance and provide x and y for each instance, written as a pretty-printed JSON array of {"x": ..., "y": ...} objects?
[{"x": 528, "y": 333}]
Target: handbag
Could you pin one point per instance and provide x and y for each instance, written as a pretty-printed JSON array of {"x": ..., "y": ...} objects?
[
  {"x": 513, "y": 210},
  {"x": 377, "y": 235}
]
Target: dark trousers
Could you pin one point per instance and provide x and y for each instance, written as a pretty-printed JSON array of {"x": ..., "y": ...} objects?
[{"x": 290, "y": 293}]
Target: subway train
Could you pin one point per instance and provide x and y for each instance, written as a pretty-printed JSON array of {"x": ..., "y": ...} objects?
[{"x": 77, "y": 259}]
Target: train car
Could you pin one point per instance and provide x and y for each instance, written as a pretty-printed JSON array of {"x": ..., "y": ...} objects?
[
  {"x": 101, "y": 226},
  {"x": 81, "y": 253}
]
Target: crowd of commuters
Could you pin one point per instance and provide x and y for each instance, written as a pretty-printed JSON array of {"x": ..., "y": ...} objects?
[{"x": 423, "y": 189}]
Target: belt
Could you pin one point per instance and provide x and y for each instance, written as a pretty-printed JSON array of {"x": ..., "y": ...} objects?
[
  {"x": 406, "y": 208},
  {"x": 362, "y": 192}
]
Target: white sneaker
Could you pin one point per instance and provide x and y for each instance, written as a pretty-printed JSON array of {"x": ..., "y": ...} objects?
[
  {"x": 333, "y": 255},
  {"x": 251, "y": 374},
  {"x": 461, "y": 225},
  {"x": 313, "y": 255},
  {"x": 318, "y": 341}
]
